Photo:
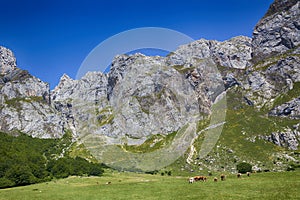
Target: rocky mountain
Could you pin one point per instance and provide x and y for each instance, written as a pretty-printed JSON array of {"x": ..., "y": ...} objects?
[
  {"x": 25, "y": 102},
  {"x": 147, "y": 100}
]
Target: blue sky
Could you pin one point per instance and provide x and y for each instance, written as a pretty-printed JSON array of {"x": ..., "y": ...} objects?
[{"x": 50, "y": 38}]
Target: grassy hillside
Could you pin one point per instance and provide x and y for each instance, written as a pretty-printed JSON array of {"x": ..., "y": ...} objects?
[
  {"x": 140, "y": 186},
  {"x": 242, "y": 140}
]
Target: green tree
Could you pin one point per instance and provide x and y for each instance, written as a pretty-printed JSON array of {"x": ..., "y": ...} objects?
[
  {"x": 244, "y": 167},
  {"x": 96, "y": 170},
  {"x": 60, "y": 168},
  {"x": 20, "y": 175}
]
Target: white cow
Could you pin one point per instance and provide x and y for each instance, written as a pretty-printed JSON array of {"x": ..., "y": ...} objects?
[{"x": 191, "y": 180}]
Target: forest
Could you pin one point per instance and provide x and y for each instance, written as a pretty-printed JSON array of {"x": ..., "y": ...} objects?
[{"x": 26, "y": 160}]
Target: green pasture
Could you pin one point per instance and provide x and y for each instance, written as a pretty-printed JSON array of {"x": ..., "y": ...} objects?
[{"x": 280, "y": 185}]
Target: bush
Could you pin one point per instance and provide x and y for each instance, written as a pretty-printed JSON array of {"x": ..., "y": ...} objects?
[
  {"x": 4, "y": 182},
  {"x": 244, "y": 167}
]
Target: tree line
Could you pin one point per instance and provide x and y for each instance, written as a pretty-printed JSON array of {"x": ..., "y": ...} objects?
[{"x": 25, "y": 160}]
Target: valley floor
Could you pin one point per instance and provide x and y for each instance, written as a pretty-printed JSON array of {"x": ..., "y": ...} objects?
[{"x": 280, "y": 185}]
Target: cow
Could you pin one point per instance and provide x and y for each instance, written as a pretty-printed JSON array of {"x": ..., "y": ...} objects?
[
  {"x": 191, "y": 180},
  {"x": 239, "y": 175},
  {"x": 200, "y": 178},
  {"x": 222, "y": 177},
  {"x": 248, "y": 174},
  {"x": 215, "y": 179},
  {"x": 197, "y": 178}
]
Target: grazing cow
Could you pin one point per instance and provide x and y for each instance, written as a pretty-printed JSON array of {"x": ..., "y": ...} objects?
[
  {"x": 222, "y": 177},
  {"x": 215, "y": 179},
  {"x": 191, "y": 180},
  {"x": 108, "y": 183},
  {"x": 248, "y": 173},
  {"x": 239, "y": 175},
  {"x": 200, "y": 178},
  {"x": 197, "y": 178}
]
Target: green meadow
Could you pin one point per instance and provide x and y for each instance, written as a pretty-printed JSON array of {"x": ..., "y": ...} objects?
[{"x": 280, "y": 185}]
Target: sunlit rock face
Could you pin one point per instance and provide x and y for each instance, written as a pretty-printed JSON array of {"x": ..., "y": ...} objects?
[{"x": 278, "y": 31}]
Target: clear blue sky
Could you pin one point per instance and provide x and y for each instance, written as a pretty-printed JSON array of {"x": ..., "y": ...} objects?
[{"x": 50, "y": 38}]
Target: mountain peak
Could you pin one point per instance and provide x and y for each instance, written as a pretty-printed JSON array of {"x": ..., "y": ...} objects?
[
  {"x": 278, "y": 31},
  {"x": 280, "y": 5},
  {"x": 7, "y": 61}
]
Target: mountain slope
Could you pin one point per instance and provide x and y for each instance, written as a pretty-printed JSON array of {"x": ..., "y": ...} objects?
[{"x": 148, "y": 101}]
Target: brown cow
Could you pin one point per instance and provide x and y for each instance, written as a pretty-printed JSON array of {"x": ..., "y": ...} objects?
[
  {"x": 222, "y": 177},
  {"x": 215, "y": 179},
  {"x": 200, "y": 178},
  {"x": 197, "y": 178}
]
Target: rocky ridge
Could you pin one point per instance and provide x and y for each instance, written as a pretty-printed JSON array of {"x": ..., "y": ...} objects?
[{"x": 143, "y": 96}]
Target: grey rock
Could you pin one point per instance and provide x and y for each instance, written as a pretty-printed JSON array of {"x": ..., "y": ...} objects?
[
  {"x": 264, "y": 86},
  {"x": 7, "y": 61},
  {"x": 25, "y": 102},
  {"x": 233, "y": 53},
  {"x": 287, "y": 138},
  {"x": 278, "y": 31},
  {"x": 149, "y": 97},
  {"x": 79, "y": 101},
  {"x": 289, "y": 109},
  {"x": 280, "y": 5}
]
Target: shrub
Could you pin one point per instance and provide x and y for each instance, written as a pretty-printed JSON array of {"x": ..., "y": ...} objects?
[
  {"x": 4, "y": 182},
  {"x": 244, "y": 167}
]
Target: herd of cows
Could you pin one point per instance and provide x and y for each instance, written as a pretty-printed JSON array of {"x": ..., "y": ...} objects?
[{"x": 204, "y": 178}]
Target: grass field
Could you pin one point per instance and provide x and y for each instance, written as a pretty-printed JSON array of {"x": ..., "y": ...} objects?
[{"x": 283, "y": 185}]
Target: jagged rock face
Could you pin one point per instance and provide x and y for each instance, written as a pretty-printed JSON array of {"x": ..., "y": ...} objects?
[
  {"x": 20, "y": 84},
  {"x": 149, "y": 97},
  {"x": 289, "y": 109},
  {"x": 264, "y": 86},
  {"x": 118, "y": 68},
  {"x": 280, "y": 5},
  {"x": 140, "y": 96},
  {"x": 32, "y": 117},
  {"x": 89, "y": 88},
  {"x": 233, "y": 53},
  {"x": 276, "y": 40},
  {"x": 78, "y": 101},
  {"x": 288, "y": 138},
  {"x": 25, "y": 102},
  {"x": 278, "y": 31},
  {"x": 7, "y": 61}
]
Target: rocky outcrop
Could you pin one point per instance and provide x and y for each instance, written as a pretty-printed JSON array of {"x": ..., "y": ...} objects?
[
  {"x": 31, "y": 116},
  {"x": 280, "y": 5},
  {"x": 288, "y": 138},
  {"x": 278, "y": 31},
  {"x": 79, "y": 101},
  {"x": 234, "y": 53},
  {"x": 7, "y": 61},
  {"x": 25, "y": 102},
  {"x": 276, "y": 60},
  {"x": 289, "y": 109},
  {"x": 149, "y": 97}
]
